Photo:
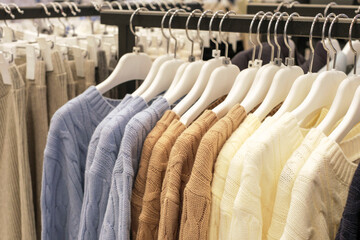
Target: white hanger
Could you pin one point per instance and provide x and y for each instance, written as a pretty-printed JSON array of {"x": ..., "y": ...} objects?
[
  {"x": 189, "y": 75},
  {"x": 204, "y": 75},
  {"x": 324, "y": 88},
  {"x": 302, "y": 85},
  {"x": 220, "y": 82},
  {"x": 157, "y": 63},
  {"x": 263, "y": 78},
  {"x": 131, "y": 66},
  {"x": 167, "y": 71},
  {"x": 352, "y": 116},
  {"x": 283, "y": 79},
  {"x": 246, "y": 77}
]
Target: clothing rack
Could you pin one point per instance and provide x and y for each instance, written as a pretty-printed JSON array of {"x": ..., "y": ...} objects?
[
  {"x": 303, "y": 9},
  {"x": 298, "y": 26}
]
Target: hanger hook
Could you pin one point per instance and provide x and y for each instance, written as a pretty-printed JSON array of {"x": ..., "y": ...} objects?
[
  {"x": 96, "y": 6},
  {"x": 7, "y": 10},
  {"x": 61, "y": 9},
  {"x": 162, "y": 29},
  {"x": 117, "y": 4},
  {"x": 269, "y": 35},
  {"x": 210, "y": 28},
  {"x": 350, "y": 41},
  {"x": 16, "y": 7},
  {"x": 280, "y": 6},
  {"x": 45, "y": 9},
  {"x": 258, "y": 32},
  {"x": 276, "y": 35},
  {"x": 70, "y": 6},
  {"x": 323, "y": 38},
  {"x": 165, "y": 4},
  {"x": 330, "y": 30},
  {"x": 158, "y": 3},
  {"x": 151, "y": 5},
  {"x": 107, "y": 4},
  {"x": 170, "y": 22},
  {"x": 291, "y": 5},
  {"x": 319, "y": 15},
  {"x": 226, "y": 15},
  {"x": 137, "y": 5},
  {"x": 75, "y": 7},
  {"x": 198, "y": 31},
  {"x": 295, "y": 14},
  {"x": 250, "y": 33},
  {"x": 191, "y": 57},
  {"x": 128, "y": 5},
  {"x": 131, "y": 24},
  {"x": 328, "y": 7}
]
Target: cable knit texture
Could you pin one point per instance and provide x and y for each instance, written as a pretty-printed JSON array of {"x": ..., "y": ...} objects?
[
  {"x": 117, "y": 219},
  {"x": 150, "y": 213},
  {"x": 64, "y": 163},
  {"x": 178, "y": 172},
  {"x": 320, "y": 191},
  {"x": 349, "y": 228},
  {"x": 263, "y": 161},
  {"x": 98, "y": 178},
  {"x": 197, "y": 194},
  {"x": 96, "y": 135},
  {"x": 17, "y": 219},
  {"x": 56, "y": 82},
  {"x": 37, "y": 129},
  {"x": 141, "y": 178}
]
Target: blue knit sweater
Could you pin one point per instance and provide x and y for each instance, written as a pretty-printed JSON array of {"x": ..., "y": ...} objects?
[
  {"x": 98, "y": 177},
  {"x": 350, "y": 222},
  {"x": 95, "y": 137},
  {"x": 64, "y": 163},
  {"x": 117, "y": 217}
]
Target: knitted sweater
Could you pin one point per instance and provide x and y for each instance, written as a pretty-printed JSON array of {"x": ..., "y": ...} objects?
[
  {"x": 98, "y": 177},
  {"x": 96, "y": 135},
  {"x": 263, "y": 161},
  {"x": 141, "y": 178},
  {"x": 16, "y": 198},
  {"x": 64, "y": 163},
  {"x": 197, "y": 194},
  {"x": 150, "y": 213},
  {"x": 178, "y": 172},
  {"x": 117, "y": 219},
  {"x": 349, "y": 228},
  {"x": 320, "y": 191},
  {"x": 37, "y": 129},
  {"x": 71, "y": 85}
]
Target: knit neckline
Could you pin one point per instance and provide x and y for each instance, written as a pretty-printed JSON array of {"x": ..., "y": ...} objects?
[
  {"x": 97, "y": 102},
  {"x": 169, "y": 115},
  {"x": 251, "y": 120},
  {"x": 160, "y": 105}
]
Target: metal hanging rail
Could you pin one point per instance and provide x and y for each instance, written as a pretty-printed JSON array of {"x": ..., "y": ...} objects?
[
  {"x": 303, "y": 9},
  {"x": 298, "y": 26}
]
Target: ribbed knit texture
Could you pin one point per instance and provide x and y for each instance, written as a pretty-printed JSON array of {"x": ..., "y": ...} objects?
[
  {"x": 90, "y": 74},
  {"x": 71, "y": 85},
  {"x": 37, "y": 129},
  {"x": 197, "y": 194},
  {"x": 349, "y": 228},
  {"x": 98, "y": 177},
  {"x": 80, "y": 84},
  {"x": 117, "y": 219},
  {"x": 56, "y": 82},
  {"x": 64, "y": 163},
  {"x": 17, "y": 219},
  {"x": 96, "y": 135},
  {"x": 263, "y": 161},
  {"x": 178, "y": 172},
  {"x": 150, "y": 213},
  {"x": 141, "y": 178},
  {"x": 224, "y": 194},
  {"x": 320, "y": 191}
]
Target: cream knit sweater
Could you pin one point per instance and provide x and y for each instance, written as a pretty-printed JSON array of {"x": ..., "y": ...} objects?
[
  {"x": 320, "y": 191},
  {"x": 263, "y": 161}
]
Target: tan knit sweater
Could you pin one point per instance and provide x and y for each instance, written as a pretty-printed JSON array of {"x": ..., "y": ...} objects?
[
  {"x": 150, "y": 213},
  {"x": 56, "y": 82},
  {"x": 16, "y": 197},
  {"x": 89, "y": 73},
  {"x": 177, "y": 174},
  {"x": 141, "y": 178},
  {"x": 37, "y": 129},
  {"x": 197, "y": 194},
  {"x": 80, "y": 84},
  {"x": 71, "y": 86}
]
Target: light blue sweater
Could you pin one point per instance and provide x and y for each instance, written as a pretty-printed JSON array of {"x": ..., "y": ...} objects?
[
  {"x": 98, "y": 177},
  {"x": 64, "y": 163},
  {"x": 95, "y": 137},
  {"x": 117, "y": 217}
]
